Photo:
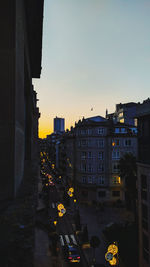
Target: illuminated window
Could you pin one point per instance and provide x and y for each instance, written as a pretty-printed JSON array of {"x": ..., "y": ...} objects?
[
  {"x": 116, "y": 180},
  {"x": 121, "y": 121},
  {"x": 115, "y": 142}
]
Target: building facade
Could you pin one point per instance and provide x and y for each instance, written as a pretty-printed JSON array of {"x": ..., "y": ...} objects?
[
  {"x": 20, "y": 61},
  {"x": 97, "y": 144},
  {"x": 143, "y": 182},
  {"x": 59, "y": 125},
  {"x": 124, "y": 113}
]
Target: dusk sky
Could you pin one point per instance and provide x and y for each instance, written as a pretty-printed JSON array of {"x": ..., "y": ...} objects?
[{"x": 96, "y": 53}]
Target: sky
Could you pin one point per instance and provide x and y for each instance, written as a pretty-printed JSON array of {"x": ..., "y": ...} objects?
[{"x": 96, "y": 53}]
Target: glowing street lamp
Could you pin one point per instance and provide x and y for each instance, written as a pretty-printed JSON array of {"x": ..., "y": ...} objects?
[{"x": 55, "y": 222}]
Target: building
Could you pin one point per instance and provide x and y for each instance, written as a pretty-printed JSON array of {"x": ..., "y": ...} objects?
[
  {"x": 143, "y": 182},
  {"x": 124, "y": 113},
  {"x": 59, "y": 125},
  {"x": 20, "y": 61},
  {"x": 93, "y": 150}
]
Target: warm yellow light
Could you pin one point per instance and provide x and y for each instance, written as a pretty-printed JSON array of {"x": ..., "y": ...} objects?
[
  {"x": 71, "y": 189},
  {"x": 75, "y": 200},
  {"x": 70, "y": 193},
  {"x": 60, "y": 177},
  {"x": 113, "y": 261},
  {"x": 60, "y": 206},
  {"x": 55, "y": 222},
  {"x": 113, "y": 249},
  {"x": 60, "y": 214},
  {"x": 113, "y": 143}
]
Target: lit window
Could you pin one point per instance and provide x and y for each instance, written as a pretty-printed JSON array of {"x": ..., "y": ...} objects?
[{"x": 116, "y": 180}]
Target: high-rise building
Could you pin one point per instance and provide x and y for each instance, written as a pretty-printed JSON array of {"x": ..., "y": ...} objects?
[{"x": 59, "y": 124}]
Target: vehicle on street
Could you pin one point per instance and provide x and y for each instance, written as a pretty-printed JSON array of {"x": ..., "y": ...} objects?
[{"x": 72, "y": 254}]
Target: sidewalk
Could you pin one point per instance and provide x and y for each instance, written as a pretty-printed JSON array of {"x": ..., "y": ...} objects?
[{"x": 42, "y": 255}]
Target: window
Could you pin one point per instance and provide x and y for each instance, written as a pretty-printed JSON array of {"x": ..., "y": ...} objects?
[
  {"x": 83, "y": 155},
  {"x": 127, "y": 142},
  {"x": 102, "y": 193},
  {"x": 101, "y": 155},
  {"x": 116, "y": 167},
  {"x": 115, "y": 142},
  {"x": 89, "y": 131},
  {"x": 84, "y": 179},
  {"x": 100, "y": 167},
  {"x": 90, "y": 180},
  {"x": 101, "y": 143},
  {"x": 144, "y": 211},
  {"x": 144, "y": 187},
  {"x": 83, "y": 131},
  {"x": 90, "y": 155},
  {"x": 100, "y": 180},
  {"x": 83, "y": 167},
  {"x": 116, "y": 193},
  {"x": 145, "y": 247},
  {"x": 90, "y": 168},
  {"x": 83, "y": 142},
  {"x": 115, "y": 154},
  {"x": 101, "y": 131},
  {"x": 116, "y": 180},
  {"x": 117, "y": 130}
]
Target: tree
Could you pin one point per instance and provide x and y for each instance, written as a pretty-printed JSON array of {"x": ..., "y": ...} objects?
[
  {"x": 128, "y": 171},
  {"x": 94, "y": 242}
]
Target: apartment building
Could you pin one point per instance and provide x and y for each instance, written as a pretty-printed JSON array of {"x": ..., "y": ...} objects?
[{"x": 94, "y": 158}]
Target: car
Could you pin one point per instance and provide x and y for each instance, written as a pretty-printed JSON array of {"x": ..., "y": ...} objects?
[{"x": 73, "y": 255}]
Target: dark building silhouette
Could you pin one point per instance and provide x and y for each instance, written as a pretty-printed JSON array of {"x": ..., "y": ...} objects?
[
  {"x": 20, "y": 60},
  {"x": 143, "y": 182}
]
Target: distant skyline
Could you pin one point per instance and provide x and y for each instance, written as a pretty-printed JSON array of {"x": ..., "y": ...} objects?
[{"x": 96, "y": 53}]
